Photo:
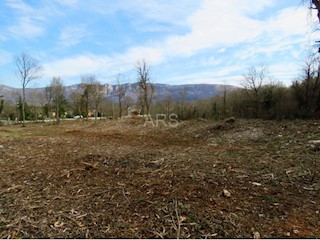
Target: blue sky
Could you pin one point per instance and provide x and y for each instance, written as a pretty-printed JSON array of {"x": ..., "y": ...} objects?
[{"x": 184, "y": 41}]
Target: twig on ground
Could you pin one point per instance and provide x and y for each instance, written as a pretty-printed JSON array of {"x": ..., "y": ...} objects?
[
  {"x": 90, "y": 166},
  {"x": 178, "y": 219},
  {"x": 124, "y": 194}
]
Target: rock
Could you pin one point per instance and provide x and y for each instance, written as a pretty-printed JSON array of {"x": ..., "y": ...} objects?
[
  {"x": 226, "y": 193},
  {"x": 230, "y": 120},
  {"x": 314, "y": 145},
  {"x": 295, "y": 231},
  {"x": 256, "y": 235},
  {"x": 133, "y": 111}
]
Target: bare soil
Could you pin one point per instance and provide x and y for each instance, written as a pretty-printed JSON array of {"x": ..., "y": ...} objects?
[{"x": 121, "y": 179}]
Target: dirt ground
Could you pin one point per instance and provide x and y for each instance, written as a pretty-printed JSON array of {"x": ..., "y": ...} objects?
[{"x": 121, "y": 179}]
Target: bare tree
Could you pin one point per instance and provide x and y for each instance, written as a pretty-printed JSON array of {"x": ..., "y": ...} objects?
[
  {"x": 128, "y": 101},
  {"x": 1, "y": 105},
  {"x": 86, "y": 87},
  {"x": 253, "y": 81},
  {"x": 1, "y": 102},
  {"x": 314, "y": 4},
  {"x": 145, "y": 86},
  {"x": 56, "y": 89},
  {"x": 182, "y": 103},
  {"x": 307, "y": 90},
  {"x": 76, "y": 101},
  {"x": 40, "y": 101},
  {"x": 121, "y": 90},
  {"x": 28, "y": 69},
  {"x": 97, "y": 96},
  {"x": 34, "y": 99},
  {"x": 92, "y": 92},
  {"x": 49, "y": 99},
  {"x": 224, "y": 99},
  {"x": 168, "y": 103}
]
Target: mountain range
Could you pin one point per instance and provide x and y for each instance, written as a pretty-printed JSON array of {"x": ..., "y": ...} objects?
[{"x": 189, "y": 92}]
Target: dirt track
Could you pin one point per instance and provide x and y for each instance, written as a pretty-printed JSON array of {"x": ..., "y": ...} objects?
[{"x": 123, "y": 180}]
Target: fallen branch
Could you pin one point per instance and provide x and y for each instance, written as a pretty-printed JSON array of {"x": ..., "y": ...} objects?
[{"x": 90, "y": 166}]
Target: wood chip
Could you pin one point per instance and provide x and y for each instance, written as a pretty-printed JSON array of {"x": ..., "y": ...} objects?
[
  {"x": 256, "y": 184},
  {"x": 308, "y": 188},
  {"x": 226, "y": 193},
  {"x": 90, "y": 166},
  {"x": 58, "y": 224}
]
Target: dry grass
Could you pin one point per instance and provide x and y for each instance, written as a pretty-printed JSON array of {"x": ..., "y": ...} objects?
[{"x": 119, "y": 179}]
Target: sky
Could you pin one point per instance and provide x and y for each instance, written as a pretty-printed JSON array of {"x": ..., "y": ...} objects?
[{"x": 183, "y": 41}]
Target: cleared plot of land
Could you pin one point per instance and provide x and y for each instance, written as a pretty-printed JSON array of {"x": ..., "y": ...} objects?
[{"x": 119, "y": 179}]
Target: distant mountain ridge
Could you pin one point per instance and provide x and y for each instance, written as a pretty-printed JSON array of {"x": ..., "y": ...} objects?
[{"x": 189, "y": 91}]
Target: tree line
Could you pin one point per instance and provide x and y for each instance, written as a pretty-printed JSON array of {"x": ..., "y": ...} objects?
[
  {"x": 259, "y": 96},
  {"x": 90, "y": 99}
]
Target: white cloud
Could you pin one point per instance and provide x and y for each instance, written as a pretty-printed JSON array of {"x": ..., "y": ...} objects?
[
  {"x": 19, "y": 5},
  {"x": 72, "y": 35},
  {"x": 219, "y": 23},
  {"x": 26, "y": 28},
  {"x": 214, "y": 27},
  {"x": 150, "y": 54},
  {"x": 289, "y": 22},
  {"x": 75, "y": 66},
  {"x": 206, "y": 77},
  {"x": 227, "y": 71},
  {"x": 149, "y": 12},
  {"x": 284, "y": 72},
  {"x": 216, "y": 23},
  {"x": 28, "y": 20},
  {"x": 247, "y": 6},
  {"x": 102, "y": 64},
  {"x": 256, "y": 50}
]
